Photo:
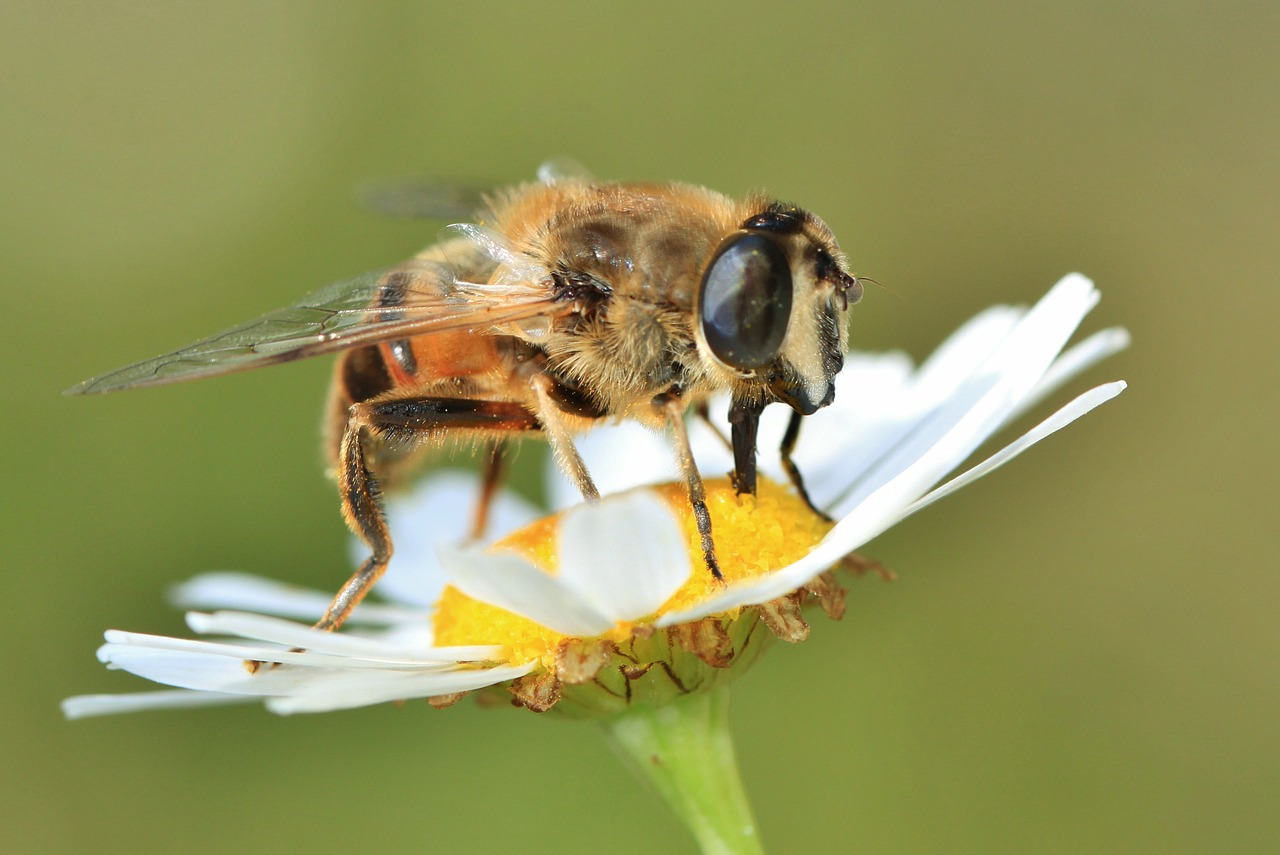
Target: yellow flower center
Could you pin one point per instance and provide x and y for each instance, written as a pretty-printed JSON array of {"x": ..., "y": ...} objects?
[{"x": 754, "y": 535}]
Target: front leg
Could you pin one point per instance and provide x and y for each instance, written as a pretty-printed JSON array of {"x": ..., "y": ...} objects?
[
  {"x": 396, "y": 420},
  {"x": 787, "y": 448}
]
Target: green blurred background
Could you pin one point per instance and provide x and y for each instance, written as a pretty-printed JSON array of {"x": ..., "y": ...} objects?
[{"x": 1081, "y": 652}]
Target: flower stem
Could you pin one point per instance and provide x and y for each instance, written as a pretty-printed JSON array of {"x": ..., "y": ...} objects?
[{"x": 684, "y": 750}]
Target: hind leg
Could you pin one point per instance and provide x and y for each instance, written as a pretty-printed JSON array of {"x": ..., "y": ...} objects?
[{"x": 399, "y": 420}]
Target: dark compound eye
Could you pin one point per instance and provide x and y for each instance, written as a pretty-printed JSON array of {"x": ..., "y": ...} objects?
[{"x": 746, "y": 301}]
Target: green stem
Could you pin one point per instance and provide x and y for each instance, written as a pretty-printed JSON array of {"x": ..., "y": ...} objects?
[{"x": 684, "y": 750}]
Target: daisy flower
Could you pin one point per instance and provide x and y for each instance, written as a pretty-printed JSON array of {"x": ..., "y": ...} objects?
[{"x": 606, "y": 611}]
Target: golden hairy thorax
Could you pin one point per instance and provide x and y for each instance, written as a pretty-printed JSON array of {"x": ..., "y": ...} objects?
[{"x": 635, "y": 252}]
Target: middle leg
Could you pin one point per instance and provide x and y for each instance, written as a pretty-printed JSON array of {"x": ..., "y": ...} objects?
[{"x": 494, "y": 464}]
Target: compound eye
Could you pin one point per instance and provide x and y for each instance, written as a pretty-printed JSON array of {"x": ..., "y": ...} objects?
[{"x": 746, "y": 301}]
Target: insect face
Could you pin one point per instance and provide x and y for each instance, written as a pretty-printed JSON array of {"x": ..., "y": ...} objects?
[{"x": 771, "y": 309}]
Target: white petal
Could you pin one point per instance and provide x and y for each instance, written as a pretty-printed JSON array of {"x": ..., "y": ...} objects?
[
  {"x": 242, "y": 591},
  {"x": 974, "y": 342},
  {"x": 289, "y": 688},
  {"x": 348, "y": 691},
  {"x": 625, "y": 556},
  {"x": 127, "y": 647},
  {"x": 438, "y": 510},
  {"x": 981, "y": 403},
  {"x": 83, "y": 706},
  {"x": 209, "y": 669},
  {"x": 511, "y": 583},
  {"x": 276, "y": 631},
  {"x": 1063, "y": 417},
  {"x": 879, "y": 399},
  {"x": 1075, "y": 361},
  {"x": 217, "y": 674}
]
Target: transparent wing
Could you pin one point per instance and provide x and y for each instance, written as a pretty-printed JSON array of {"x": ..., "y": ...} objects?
[
  {"x": 412, "y": 299},
  {"x": 433, "y": 199},
  {"x": 563, "y": 170},
  {"x": 424, "y": 198}
]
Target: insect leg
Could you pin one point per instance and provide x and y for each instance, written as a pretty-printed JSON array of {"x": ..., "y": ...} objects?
[
  {"x": 703, "y": 412},
  {"x": 362, "y": 509},
  {"x": 493, "y": 468},
  {"x": 674, "y": 412},
  {"x": 397, "y": 420},
  {"x": 566, "y": 453},
  {"x": 793, "y": 473}
]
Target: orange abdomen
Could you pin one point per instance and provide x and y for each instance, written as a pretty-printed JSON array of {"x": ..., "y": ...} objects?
[{"x": 439, "y": 356}]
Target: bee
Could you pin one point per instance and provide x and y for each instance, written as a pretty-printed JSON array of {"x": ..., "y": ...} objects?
[{"x": 568, "y": 303}]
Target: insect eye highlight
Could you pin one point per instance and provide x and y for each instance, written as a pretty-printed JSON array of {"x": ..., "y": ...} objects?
[{"x": 746, "y": 301}]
